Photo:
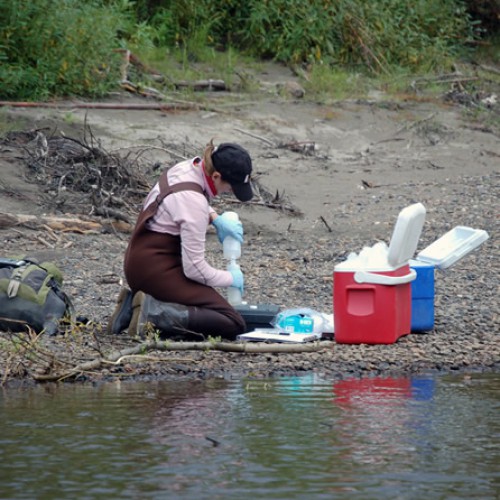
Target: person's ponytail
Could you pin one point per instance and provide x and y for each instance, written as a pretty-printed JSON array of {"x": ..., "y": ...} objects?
[{"x": 207, "y": 157}]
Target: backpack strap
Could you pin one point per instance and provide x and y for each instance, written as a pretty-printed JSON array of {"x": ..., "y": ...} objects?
[
  {"x": 8, "y": 262},
  {"x": 15, "y": 281}
]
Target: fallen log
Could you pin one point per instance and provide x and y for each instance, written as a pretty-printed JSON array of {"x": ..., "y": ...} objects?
[
  {"x": 139, "y": 351},
  {"x": 456, "y": 78},
  {"x": 160, "y": 106},
  {"x": 143, "y": 91},
  {"x": 215, "y": 85},
  {"x": 173, "y": 105},
  {"x": 64, "y": 224},
  {"x": 490, "y": 69}
]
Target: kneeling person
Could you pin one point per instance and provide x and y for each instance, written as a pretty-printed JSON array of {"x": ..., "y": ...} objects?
[{"x": 171, "y": 283}]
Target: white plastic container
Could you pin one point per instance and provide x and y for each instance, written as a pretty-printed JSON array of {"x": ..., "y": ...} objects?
[
  {"x": 231, "y": 246},
  {"x": 233, "y": 294},
  {"x": 232, "y": 252}
]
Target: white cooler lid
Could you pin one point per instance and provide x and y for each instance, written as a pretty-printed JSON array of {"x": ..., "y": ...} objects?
[
  {"x": 451, "y": 247},
  {"x": 406, "y": 234}
]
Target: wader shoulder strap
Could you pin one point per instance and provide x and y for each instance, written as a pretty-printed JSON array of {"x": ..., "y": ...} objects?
[{"x": 165, "y": 190}]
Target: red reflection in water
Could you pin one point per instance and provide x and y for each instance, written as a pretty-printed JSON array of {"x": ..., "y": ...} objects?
[
  {"x": 373, "y": 424},
  {"x": 374, "y": 390}
]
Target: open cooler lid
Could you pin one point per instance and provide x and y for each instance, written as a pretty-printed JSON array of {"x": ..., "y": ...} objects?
[
  {"x": 406, "y": 234},
  {"x": 451, "y": 247}
]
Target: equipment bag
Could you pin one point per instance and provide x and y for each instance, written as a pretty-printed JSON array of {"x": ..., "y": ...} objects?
[{"x": 31, "y": 294}]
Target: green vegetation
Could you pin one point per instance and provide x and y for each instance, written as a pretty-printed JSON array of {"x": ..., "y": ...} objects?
[
  {"x": 69, "y": 47},
  {"x": 48, "y": 49},
  {"x": 376, "y": 35}
]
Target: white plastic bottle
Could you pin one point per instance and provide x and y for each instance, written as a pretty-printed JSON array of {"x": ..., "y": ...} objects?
[
  {"x": 233, "y": 294},
  {"x": 232, "y": 252},
  {"x": 231, "y": 246}
]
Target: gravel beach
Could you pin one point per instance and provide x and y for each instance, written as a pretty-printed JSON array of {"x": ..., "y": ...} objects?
[{"x": 349, "y": 192}]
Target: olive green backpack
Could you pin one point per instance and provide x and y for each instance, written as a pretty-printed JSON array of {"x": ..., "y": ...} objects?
[{"x": 31, "y": 294}]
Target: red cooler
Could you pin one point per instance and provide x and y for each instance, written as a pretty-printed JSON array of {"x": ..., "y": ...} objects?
[
  {"x": 372, "y": 305},
  {"x": 375, "y": 310}
]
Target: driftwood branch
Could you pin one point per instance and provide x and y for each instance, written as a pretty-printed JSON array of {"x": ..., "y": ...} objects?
[
  {"x": 140, "y": 90},
  {"x": 304, "y": 147},
  {"x": 263, "y": 139},
  {"x": 457, "y": 79},
  {"x": 244, "y": 347},
  {"x": 136, "y": 352},
  {"x": 490, "y": 69},
  {"x": 64, "y": 224},
  {"x": 409, "y": 126},
  {"x": 160, "y": 106},
  {"x": 211, "y": 85},
  {"x": 172, "y": 105}
]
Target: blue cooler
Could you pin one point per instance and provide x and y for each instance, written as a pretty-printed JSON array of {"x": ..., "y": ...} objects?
[
  {"x": 441, "y": 254},
  {"x": 422, "y": 297}
]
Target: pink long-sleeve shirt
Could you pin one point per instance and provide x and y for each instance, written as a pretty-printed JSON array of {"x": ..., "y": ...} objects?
[{"x": 187, "y": 213}]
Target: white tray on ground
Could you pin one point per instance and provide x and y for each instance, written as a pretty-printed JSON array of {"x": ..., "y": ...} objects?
[{"x": 275, "y": 335}]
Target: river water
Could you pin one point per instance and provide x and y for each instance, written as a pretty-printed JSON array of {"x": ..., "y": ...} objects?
[{"x": 299, "y": 437}]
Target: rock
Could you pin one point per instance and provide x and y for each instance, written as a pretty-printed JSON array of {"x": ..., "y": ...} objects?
[{"x": 291, "y": 88}]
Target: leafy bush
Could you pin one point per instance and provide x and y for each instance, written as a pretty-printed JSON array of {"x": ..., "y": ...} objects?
[
  {"x": 378, "y": 33},
  {"x": 67, "y": 47},
  {"x": 57, "y": 48}
]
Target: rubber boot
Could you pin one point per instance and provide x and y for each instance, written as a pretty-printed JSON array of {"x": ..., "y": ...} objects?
[
  {"x": 122, "y": 314},
  {"x": 149, "y": 314}
]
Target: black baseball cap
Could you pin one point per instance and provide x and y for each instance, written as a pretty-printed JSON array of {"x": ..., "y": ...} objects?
[{"x": 235, "y": 166}]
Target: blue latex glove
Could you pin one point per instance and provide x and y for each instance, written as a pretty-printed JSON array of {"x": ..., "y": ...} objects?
[
  {"x": 228, "y": 227},
  {"x": 238, "y": 280}
]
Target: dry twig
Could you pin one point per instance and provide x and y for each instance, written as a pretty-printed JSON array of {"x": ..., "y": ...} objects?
[{"x": 263, "y": 139}]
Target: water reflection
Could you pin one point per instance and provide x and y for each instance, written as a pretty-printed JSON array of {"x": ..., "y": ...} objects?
[
  {"x": 379, "y": 411},
  {"x": 296, "y": 437}
]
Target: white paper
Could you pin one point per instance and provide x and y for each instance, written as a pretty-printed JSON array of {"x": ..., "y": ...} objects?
[{"x": 275, "y": 335}]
